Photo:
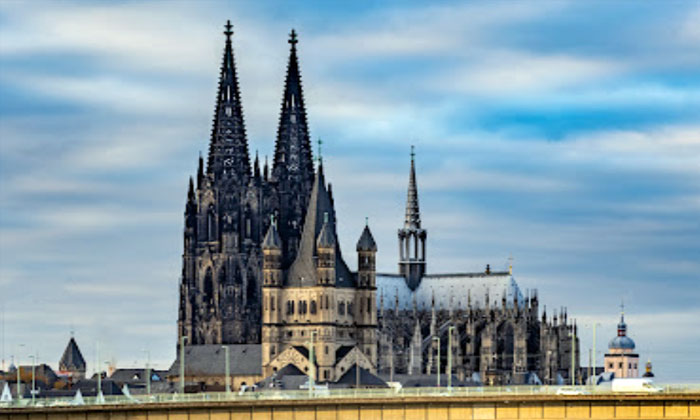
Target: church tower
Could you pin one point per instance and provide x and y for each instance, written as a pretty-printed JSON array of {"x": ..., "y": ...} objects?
[
  {"x": 412, "y": 237},
  {"x": 229, "y": 208},
  {"x": 293, "y": 168}
]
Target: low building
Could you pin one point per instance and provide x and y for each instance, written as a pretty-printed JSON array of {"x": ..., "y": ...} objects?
[{"x": 205, "y": 367}]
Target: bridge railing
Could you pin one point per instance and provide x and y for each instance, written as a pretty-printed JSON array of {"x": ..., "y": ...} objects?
[{"x": 320, "y": 393}]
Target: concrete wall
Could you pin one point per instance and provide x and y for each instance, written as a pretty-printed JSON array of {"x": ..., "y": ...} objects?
[{"x": 423, "y": 408}]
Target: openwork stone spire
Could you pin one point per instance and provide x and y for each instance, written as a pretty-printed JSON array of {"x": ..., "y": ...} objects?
[
  {"x": 293, "y": 157},
  {"x": 412, "y": 237},
  {"x": 228, "y": 148},
  {"x": 412, "y": 208}
]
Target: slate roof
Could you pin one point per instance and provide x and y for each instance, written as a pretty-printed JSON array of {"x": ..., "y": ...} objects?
[
  {"x": 289, "y": 377},
  {"x": 367, "y": 379},
  {"x": 303, "y": 270},
  {"x": 448, "y": 289},
  {"x": 366, "y": 241},
  {"x": 272, "y": 238},
  {"x": 136, "y": 375},
  {"x": 342, "y": 351},
  {"x": 209, "y": 360},
  {"x": 72, "y": 359}
]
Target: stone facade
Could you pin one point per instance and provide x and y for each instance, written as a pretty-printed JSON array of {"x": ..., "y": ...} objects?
[
  {"x": 478, "y": 324},
  {"x": 319, "y": 314},
  {"x": 285, "y": 284},
  {"x": 228, "y": 211}
]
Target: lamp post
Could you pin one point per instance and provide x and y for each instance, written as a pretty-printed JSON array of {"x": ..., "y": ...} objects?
[
  {"x": 449, "y": 357},
  {"x": 573, "y": 357},
  {"x": 33, "y": 376},
  {"x": 182, "y": 364},
  {"x": 99, "y": 371},
  {"x": 19, "y": 383},
  {"x": 595, "y": 356},
  {"x": 312, "y": 373},
  {"x": 435, "y": 338},
  {"x": 227, "y": 369},
  {"x": 148, "y": 371}
]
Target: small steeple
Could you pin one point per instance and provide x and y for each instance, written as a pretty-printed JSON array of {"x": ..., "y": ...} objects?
[
  {"x": 366, "y": 241},
  {"x": 412, "y": 237},
  {"x": 256, "y": 166},
  {"x": 326, "y": 238},
  {"x": 272, "y": 238}
]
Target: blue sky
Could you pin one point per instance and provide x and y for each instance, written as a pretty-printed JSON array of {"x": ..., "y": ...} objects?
[{"x": 564, "y": 133}]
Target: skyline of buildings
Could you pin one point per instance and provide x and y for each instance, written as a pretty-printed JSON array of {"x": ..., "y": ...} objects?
[{"x": 580, "y": 232}]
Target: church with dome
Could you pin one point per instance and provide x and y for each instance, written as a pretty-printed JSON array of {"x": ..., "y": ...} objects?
[
  {"x": 621, "y": 358},
  {"x": 262, "y": 267}
]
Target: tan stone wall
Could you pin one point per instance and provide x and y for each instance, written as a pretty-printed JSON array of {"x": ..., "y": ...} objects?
[{"x": 423, "y": 408}]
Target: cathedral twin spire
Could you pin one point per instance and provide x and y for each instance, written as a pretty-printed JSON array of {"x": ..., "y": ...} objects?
[{"x": 228, "y": 148}]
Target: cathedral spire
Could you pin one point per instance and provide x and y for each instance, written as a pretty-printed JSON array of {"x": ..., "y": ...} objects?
[
  {"x": 412, "y": 210},
  {"x": 412, "y": 237},
  {"x": 228, "y": 148},
  {"x": 293, "y": 155}
]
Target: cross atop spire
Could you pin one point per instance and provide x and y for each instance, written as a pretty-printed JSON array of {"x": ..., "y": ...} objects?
[
  {"x": 413, "y": 153},
  {"x": 229, "y": 30},
  {"x": 293, "y": 38}
]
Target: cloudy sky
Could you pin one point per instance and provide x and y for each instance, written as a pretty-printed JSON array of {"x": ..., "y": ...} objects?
[{"x": 564, "y": 133}]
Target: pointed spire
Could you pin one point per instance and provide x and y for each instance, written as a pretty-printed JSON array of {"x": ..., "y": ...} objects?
[
  {"x": 228, "y": 149},
  {"x": 190, "y": 194},
  {"x": 266, "y": 173},
  {"x": 293, "y": 154},
  {"x": 326, "y": 238},
  {"x": 272, "y": 238},
  {"x": 366, "y": 241},
  {"x": 412, "y": 209},
  {"x": 200, "y": 171},
  {"x": 256, "y": 166}
]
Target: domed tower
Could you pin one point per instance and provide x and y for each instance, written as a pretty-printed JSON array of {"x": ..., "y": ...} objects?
[{"x": 621, "y": 357}]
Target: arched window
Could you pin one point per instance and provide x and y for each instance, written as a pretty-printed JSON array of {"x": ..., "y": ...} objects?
[
  {"x": 327, "y": 305},
  {"x": 350, "y": 309},
  {"x": 211, "y": 224},
  {"x": 313, "y": 307},
  {"x": 341, "y": 308},
  {"x": 208, "y": 288}
]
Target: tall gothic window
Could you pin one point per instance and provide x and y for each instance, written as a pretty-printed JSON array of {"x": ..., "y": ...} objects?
[
  {"x": 313, "y": 307},
  {"x": 341, "y": 308}
]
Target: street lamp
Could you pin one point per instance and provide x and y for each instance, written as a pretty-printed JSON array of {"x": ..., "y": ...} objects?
[
  {"x": 573, "y": 357},
  {"x": 182, "y": 364},
  {"x": 148, "y": 371},
  {"x": 99, "y": 371},
  {"x": 449, "y": 357},
  {"x": 435, "y": 338},
  {"x": 19, "y": 384},
  {"x": 312, "y": 373},
  {"x": 227, "y": 369},
  {"x": 33, "y": 357}
]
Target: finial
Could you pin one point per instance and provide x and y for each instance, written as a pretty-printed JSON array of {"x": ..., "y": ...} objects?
[
  {"x": 320, "y": 151},
  {"x": 366, "y": 221},
  {"x": 228, "y": 32},
  {"x": 510, "y": 264},
  {"x": 413, "y": 153},
  {"x": 293, "y": 38}
]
